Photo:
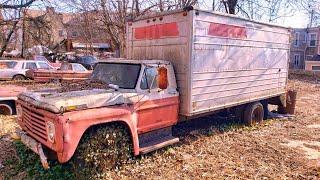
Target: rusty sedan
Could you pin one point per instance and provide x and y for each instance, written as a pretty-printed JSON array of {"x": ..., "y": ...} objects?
[{"x": 67, "y": 72}]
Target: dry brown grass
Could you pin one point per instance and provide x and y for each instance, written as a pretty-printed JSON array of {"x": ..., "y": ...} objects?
[{"x": 261, "y": 152}]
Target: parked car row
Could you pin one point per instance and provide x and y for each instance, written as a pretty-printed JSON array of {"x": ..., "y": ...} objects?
[
  {"x": 41, "y": 71},
  {"x": 16, "y": 69}
]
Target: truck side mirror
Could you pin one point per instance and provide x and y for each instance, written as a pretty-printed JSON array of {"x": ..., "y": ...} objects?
[{"x": 162, "y": 78}]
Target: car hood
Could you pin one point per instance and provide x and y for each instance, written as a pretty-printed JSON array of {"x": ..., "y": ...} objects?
[{"x": 56, "y": 102}]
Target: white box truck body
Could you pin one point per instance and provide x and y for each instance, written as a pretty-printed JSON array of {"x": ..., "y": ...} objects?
[{"x": 220, "y": 60}]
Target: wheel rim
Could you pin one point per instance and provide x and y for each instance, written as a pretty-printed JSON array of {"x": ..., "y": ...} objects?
[{"x": 5, "y": 109}]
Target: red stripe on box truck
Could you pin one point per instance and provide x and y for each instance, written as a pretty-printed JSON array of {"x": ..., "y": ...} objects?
[
  {"x": 225, "y": 30},
  {"x": 157, "y": 31}
]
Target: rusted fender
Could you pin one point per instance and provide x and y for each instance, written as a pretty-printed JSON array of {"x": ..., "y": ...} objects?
[{"x": 76, "y": 123}]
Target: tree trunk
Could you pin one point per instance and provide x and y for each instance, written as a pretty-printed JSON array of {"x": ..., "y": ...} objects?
[
  {"x": 7, "y": 40},
  {"x": 230, "y": 6}
]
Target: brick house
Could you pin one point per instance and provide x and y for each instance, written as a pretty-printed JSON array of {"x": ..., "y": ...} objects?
[
  {"x": 74, "y": 31},
  {"x": 305, "y": 46},
  {"x": 85, "y": 32},
  {"x": 46, "y": 28},
  {"x": 56, "y": 30}
]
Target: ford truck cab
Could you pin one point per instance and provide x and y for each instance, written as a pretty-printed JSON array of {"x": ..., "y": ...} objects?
[{"x": 142, "y": 95}]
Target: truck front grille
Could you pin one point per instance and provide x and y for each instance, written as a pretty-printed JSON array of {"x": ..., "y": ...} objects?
[{"x": 34, "y": 123}]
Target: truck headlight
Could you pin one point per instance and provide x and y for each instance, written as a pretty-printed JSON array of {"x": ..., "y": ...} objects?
[{"x": 51, "y": 131}]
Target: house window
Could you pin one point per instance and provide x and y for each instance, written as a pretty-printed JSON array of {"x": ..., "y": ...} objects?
[
  {"x": 296, "y": 39},
  {"x": 305, "y": 37},
  {"x": 313, "y": 40},
  {"x": 74, "y": 34},
  {"x": 315, "y": 68},
  {"x": 296, "y": 60}
]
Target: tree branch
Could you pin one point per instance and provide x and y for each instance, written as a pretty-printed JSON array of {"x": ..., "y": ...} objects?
[{"x": 8, "y": 6}]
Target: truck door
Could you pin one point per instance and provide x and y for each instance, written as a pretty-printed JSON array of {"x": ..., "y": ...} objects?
[{"x": 158, "y": 108}]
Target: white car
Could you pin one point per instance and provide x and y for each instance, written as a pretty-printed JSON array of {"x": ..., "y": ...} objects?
[{"x": 16, "y": 69}]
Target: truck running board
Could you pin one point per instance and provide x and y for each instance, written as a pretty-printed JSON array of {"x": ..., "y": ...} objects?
[{"x": 156, "y": 139}]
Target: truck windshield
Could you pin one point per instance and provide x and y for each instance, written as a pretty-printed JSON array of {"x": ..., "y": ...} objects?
[{"x": 121, "y": 74}]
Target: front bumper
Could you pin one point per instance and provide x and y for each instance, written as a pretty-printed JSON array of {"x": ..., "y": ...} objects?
[{"x": 34, "y": 146}]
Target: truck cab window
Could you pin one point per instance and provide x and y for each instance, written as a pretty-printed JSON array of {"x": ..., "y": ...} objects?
[{"x": 149, "y": 79}]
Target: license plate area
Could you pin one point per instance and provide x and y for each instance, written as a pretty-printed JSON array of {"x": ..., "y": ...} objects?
[
  {"x": 35, "y": 147},
  {"x": 30, "y": 143}
]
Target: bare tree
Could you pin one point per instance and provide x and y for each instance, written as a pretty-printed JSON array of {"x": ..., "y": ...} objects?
[
  {"x": 16, "y": 4},
  {"x": 312, "y": 7},
  {"x": 11, "y": 21},
  {"x": 230, "y": 6}
]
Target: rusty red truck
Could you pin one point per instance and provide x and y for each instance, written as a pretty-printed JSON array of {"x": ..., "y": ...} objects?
[{"x": 180, "y": 65}]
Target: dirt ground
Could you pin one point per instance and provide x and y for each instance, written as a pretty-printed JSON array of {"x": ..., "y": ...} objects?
[{"x": 276, "y": 149}]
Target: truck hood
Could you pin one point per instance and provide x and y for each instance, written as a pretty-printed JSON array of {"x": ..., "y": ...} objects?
[{"x": 74, "y": 100}]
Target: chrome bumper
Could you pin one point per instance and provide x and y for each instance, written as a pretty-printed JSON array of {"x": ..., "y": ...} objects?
[{"x": 34, "y": 146}]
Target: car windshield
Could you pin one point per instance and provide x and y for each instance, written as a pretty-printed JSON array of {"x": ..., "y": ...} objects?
[
  {"x": 87, "y": 59},
  {"x": 78, "y": 68},
  {"x": 123, "y": 75},
  {"x": 43, "y": 65},
  {"x": 40, "y": 58}
]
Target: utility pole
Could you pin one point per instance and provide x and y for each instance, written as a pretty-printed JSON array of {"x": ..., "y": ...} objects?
[
  {"x": 311, "y": 18},
  {"x": 213, "y": 5}
]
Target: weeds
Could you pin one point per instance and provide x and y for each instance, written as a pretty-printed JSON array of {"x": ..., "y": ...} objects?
[{"x": 29, "y": 162}]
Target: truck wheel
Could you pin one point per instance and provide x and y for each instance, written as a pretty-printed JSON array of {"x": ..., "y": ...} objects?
[
  {"x": 19, "y": 77},
  {"x": 254, "y": 113},
  {"x": 101, "y": 149},
  {"x": 6, "y": 108}
]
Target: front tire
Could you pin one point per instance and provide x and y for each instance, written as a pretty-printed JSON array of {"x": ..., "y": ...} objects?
[
  {"x": 253, "y": 114},
  {"x": 102, "y": 148},
  {"x": 19, "y": 78}
]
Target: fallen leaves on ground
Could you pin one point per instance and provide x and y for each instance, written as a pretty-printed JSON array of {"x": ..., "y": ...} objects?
[{"x": 211, "y": 150}]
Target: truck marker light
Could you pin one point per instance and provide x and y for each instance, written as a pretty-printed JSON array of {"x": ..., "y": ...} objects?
[{"x": 76, "y": 107}]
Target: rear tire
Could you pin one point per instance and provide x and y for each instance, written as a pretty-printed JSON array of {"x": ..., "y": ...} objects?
[
  {"x": 19, "y": 77},
  {"x": 253, "y": 114},
  {"x": 102, "y": 148}
]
